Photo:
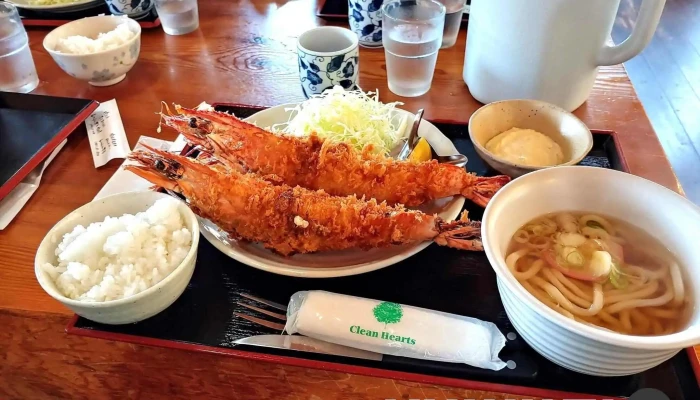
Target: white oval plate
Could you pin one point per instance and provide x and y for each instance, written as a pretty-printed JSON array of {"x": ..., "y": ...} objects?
[
  {"x": 331, "y": 264},
  {"x": 77, "y": 5}
]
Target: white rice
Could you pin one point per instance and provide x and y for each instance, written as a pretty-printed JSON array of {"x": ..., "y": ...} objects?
[
  {"x": 105, "y": 41},
  {"x": 122, "y": 256}
]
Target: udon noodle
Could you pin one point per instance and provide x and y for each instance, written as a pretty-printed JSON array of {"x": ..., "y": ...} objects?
[{"x": 600, "y": 271}]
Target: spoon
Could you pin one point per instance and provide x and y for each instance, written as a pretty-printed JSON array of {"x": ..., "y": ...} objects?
[{"x": 459, "y": 160}]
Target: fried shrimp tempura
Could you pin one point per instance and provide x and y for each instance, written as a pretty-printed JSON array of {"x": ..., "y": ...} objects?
[
  {"x": 293, "y": 220},
  {"x": 336, "y": 168}
]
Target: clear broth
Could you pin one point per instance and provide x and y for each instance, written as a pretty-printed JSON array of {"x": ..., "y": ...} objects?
[{"x": 640, "y": 249}]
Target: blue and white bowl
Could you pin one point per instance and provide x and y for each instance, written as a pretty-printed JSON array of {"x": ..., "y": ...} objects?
[
  {"x": 365, "y": 18},
  {"x": 328, "y": 56},
  {"x": 132, "y": 8}
]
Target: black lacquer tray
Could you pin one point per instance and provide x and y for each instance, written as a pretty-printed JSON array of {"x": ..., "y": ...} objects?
[
  {"x": 31, "y": 127},
  {"x": 459, "y": 282},
  {"x": 52, "y": 18}
]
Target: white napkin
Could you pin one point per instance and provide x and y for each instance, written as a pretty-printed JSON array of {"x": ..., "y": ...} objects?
[
  {"x": 395, "y": 329},
  {"x": 179, "y": 144},
  {"x": 12, "y": 204}
]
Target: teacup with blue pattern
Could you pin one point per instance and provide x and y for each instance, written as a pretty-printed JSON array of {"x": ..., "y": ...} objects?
[
  {"x": 132, "y": 8},
  {"x": 365, "y": 18},
  {"x": 328, "y": 56}
]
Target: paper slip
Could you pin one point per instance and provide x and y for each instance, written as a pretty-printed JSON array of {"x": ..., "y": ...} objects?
[
  {"x": 106, "y": 133},
  {"x": 12, "y": 204},
  {"x": 124, "y": 181}
]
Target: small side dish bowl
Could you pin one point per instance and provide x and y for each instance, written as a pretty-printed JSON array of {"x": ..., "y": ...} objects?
[
  {"x": 572, "y": 135},
  {"x": 573, "y": 345},
  {"x": 103, "y": 68},
  {"x": 141, "y": 305}
]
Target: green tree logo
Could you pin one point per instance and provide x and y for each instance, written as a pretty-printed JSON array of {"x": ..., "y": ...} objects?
[{"x": 388, "y": 312}]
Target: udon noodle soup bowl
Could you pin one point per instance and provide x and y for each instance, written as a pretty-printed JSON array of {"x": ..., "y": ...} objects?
[{"x": 667, "y": 216}]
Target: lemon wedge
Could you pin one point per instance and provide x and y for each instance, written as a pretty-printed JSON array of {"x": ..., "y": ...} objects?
[{"x": 421, "y": 152}]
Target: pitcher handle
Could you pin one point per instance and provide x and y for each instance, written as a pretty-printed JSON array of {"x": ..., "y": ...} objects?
[{"x": 644, "y": 27}]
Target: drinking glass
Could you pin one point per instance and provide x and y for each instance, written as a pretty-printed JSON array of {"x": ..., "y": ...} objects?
[
  {"x": 17, "y": 70},
  {"x": 178, "y": 17},
  {"x": 453, "y": 19},
  {"x": 412, "y": 37}
]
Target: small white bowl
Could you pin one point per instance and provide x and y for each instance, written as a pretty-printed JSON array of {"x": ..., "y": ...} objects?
[
  {"x": 103, "y": 68},
  {"x": 669, "y": 217},
  {"x": 572, "y": 135},
  {"x": 141, "y": 305}
]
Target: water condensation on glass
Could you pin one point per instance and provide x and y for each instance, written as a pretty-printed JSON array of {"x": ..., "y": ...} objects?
[
  {"x": 453, "y": 20},
  {"x": 178, "y": 17},
  {"x": 17, "y": 70},
  {"x": 412, "y": 39}
]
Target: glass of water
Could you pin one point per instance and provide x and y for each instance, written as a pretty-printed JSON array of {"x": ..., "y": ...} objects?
[
  {"x": 178, "y": 17},
  {"x": 412, "y": 38},
  {"x": 17, "y": 70},
  {"x": 453, "y": 19}
]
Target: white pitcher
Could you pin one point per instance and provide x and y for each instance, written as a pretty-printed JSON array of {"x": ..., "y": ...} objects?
[{"x": 547, "y": 50}]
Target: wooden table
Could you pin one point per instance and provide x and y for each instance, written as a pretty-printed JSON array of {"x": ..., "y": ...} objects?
[{"x": 243, "y": 52}]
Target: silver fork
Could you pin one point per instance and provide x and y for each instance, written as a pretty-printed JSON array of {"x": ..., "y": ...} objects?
[
  {"x": 260, "y": 321},
  {"x": 293, "y": 342}
]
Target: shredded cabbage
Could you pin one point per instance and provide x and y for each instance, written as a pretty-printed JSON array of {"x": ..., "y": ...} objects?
[{"x": 354, "y": 117}]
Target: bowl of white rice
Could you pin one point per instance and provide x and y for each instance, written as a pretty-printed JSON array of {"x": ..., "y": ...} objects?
[
  {"x": 100, "y": 50},
  {"x": 120, "y": 259}
]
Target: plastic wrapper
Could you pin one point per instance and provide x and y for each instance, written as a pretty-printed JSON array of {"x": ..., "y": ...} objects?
[{"x": 395, "y": 329}]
